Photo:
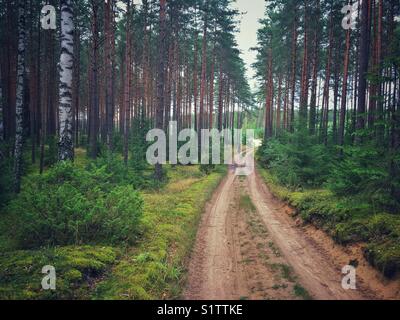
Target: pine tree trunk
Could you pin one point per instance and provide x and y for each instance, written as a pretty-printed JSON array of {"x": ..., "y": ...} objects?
[
  {"x": 66, "y": 144},
  {"x": 380, "y": 104},
  {"x": 211, "y": 102},
  {"x": 326, "y": 97},
  {"x": 203, "y": 77},
  {"x": 363, "y": 67},
  {"x": 109, "y": 70},
  {"x": 127, "y": 90},
  {"x": 294, "y": 67},
  {"x": 344, "y": 90},
  {"x": 195, "y": 89},
  {"x": 220, "y": 97},
  {"x": 314, "y": 81},
  {"x": 19, "y": 97},
  {"x": 161, "y": 77},
  {"x": 94, "y": 104},
  {"x": 77, "y": 83},
  {"x": 278, "y": 106},
  {"x": 304, "y": 77},
  {"x": 268, "y": 95}
]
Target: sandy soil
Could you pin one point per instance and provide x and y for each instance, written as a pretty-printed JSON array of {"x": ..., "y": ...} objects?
[{"x": 263, "y": 253}]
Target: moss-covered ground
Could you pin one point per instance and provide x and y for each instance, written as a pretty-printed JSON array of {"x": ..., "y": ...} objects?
[{"x": 151, "y": 268}]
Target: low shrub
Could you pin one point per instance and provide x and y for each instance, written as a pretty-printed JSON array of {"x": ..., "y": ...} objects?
[
  {"x": 385, "y": 256},
  {"x": 68, "y": 205},
  {"x": 297, "y": 160}
]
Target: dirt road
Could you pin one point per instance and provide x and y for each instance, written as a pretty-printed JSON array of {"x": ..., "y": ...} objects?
[{"x": 249, "y": 247}]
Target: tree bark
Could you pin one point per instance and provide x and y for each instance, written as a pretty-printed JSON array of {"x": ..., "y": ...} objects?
[
  {"x": 161, "y": 77},
  {"x": 20, "y": 107},
  {"x": 363, "y": 67},
  {"x": 66, "y": 141},
  {"x": 344, "y": 90},
  {"x": 94, "y": 104}
]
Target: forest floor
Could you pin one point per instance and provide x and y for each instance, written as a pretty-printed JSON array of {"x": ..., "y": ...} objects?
[
  {"x": 250, "y": 246},
  {"x": 151, "y": 268}
]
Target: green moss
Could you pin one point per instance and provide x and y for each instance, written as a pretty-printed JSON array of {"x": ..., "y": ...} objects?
[{"x": 21, "y": 271}]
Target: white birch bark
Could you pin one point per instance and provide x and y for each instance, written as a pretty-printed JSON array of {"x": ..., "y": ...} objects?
[
  {"x": 19, "y": 108},
  {"x": 65, "y": 146}
]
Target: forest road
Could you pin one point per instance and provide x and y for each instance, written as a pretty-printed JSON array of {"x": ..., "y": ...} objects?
[{"x": 249, "y": 247}]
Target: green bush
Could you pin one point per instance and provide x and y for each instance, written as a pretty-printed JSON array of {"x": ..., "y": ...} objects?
[
  {"x": 364, "y": 171},
  {"x": 385, "y": 256},
  {"x": 6, "y": 180},
  {"x": 116, "y": 172},
  {"x": 297, "y": 160},
  {"x": 68, "y": 205}
]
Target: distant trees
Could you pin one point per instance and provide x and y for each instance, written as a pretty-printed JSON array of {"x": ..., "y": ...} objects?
[
  {"x": 341, "y": 104},
  {"x": 346, "y": 76},
  {"x": 124, "y": 69}
]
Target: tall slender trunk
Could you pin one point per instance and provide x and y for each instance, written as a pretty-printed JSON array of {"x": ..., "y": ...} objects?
[
  {"x": 203, "y": 75},
  {"x": 325, "y": 100},
  {"x": 94, "y": 105},
  {"x": 294, "y": 67},
  {"x": 278, "y": 105},
  {"x": 268, "y": 95},
  {"x": 211, "y": 102},
  {"x": 127, "y": 83},
  {"x": 380, "y": 103},
  {"x": 195, "y": 89},
  {"x": 344, "y": 90},
  {"x": 363, "y": 67},
  {"x": 77, "y": 83},
  {"x": 220, "y": 97},
  {"x": 66, "y": 141},
  {"x": 304, "y": 77},
  {"x": 108, "y": 78},
  {"x": 20, "y": 107},
  {"x": 285, "y": 104},
  {"x": 160, "y": 77},
  {"x": 314, "y": 81}
]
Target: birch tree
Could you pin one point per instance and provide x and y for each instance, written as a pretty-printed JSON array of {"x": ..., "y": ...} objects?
[
  {"x": 19, "y": 106},
  {"x": 66, "y": 147}
]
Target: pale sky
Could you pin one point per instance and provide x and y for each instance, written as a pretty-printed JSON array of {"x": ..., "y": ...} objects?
[{"x": 247, "y": 37}]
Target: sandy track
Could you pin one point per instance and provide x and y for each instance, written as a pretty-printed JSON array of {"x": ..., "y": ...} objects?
[
  {"x": 321, "y": 279},
  {"x": 213, "y": 264},
  {"x": 232, "y": 261}
]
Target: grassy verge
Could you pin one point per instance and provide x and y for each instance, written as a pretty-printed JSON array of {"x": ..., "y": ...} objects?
[
  {"x": 155, "y": 268},
  {"x": 346, "y": 220}
]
